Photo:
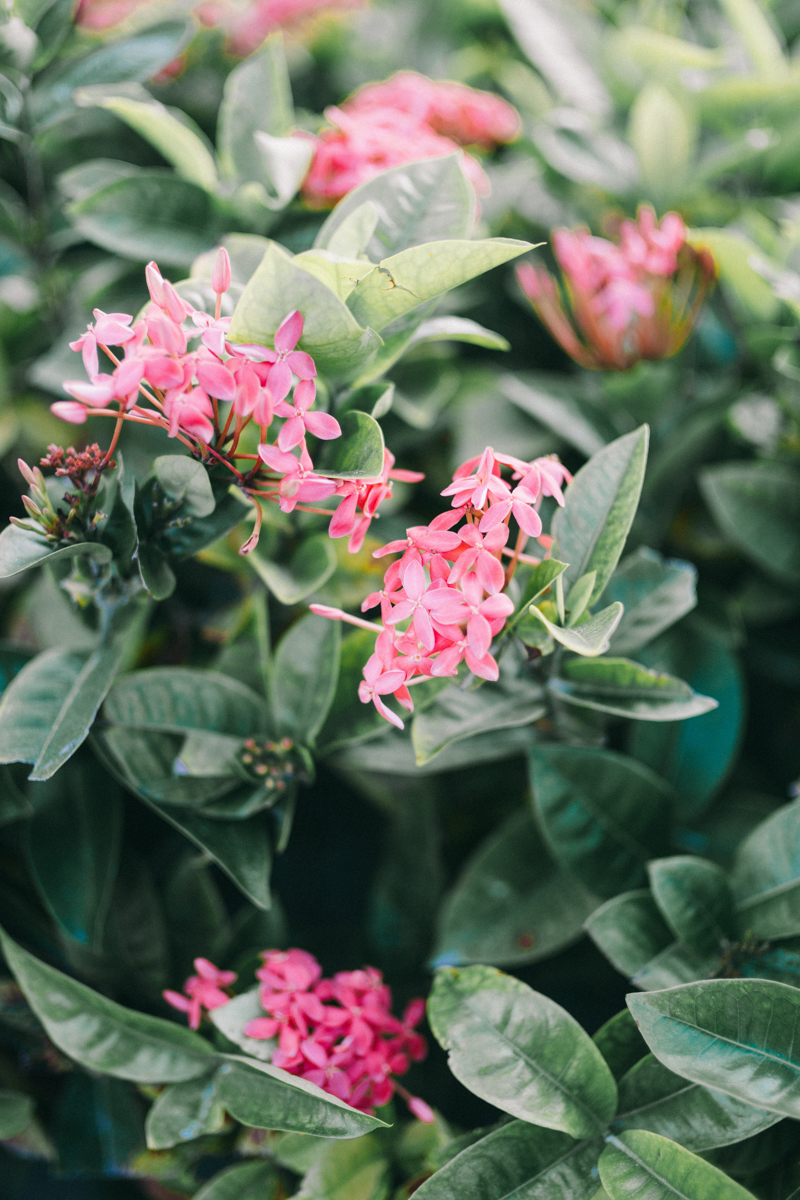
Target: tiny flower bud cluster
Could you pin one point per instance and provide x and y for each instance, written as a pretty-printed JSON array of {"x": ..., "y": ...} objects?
[
  {"x": 634, "y": 300},
  {"x": 447, "y": 588},
  {"x": 337, "y": 1033}
]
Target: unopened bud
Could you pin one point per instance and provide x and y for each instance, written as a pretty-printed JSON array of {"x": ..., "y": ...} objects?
[
  {"x": 421, "y": 1110},
  {"x": 26, "y": 472},
  {"x": 155, "y": 284},
  {"x": 221, "y": 275},
  {"x": 31, "y": 509}
]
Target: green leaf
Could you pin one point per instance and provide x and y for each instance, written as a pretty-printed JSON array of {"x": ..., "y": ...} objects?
[
  {"x": 655, "y": 592},
  {"x": 352, "y": 1170},
  {"x": 539, "y": 580},
  {"x": 152, "y": 214},
  {"x": 695, "y": 900},
  {"x": 177, "y": 139},
  {"x": 31, "y": 703},
  {"x": 577, "y": 598},
  {"x": 186, "y": 538},
  {"x": 761, "y": 41},
  {"x": 591, "y": 638},
  {"x": 757, "y": 507},
  {"x": 699, "y": 1118},
  {"x": 243, "y": 1181},
  {"x": 71, "y": 724},
  {"x": 156, "y": 573},
  {"x": 603, "y": 814},
  {"x": 676, "y": 965},
  {"x": 350, "y": 237},
  {"x": 101, "y": 1035},
  {"x": 179, "y": 699},
  {"x": 98, "y": 1126},
  {"x": 458, "y": 329},
  {"x": 350, "y": 722},
  {"x": 257, "y": 95},
  {"x": 265, "y": 1097},
  {"x": 73, "y": 847},
  {"x": 310, "y": 566},
  {"x": 630, "y": 931},
  {"x": 134, "y": 59},
  {"x": 285, "y": 165},
  {"x": 21, "y": 549},
  {"x": 16, "y": 1113},
  {"x": 664, "y": 136},
  {"x": 305, "y": 675},
  {"x": 765, "y": 876},
  {"x": 185, "y": 481},
  {"x": 620, "y": 1043},
  {"x": 627, "y": 689},
  {"x": 517, "y": 1160},
  {"x": 231, "y": 1019},
  {"x": 651, "y": 1167},
  {"x": 415, "y": 203},
  {"x": 456, "y": 714},
  {"x": 737, "y": 1035},
  {"x": 331, "y": 334},
  {"x": 183, "y": 1112},
  {"x": 601, "y": 502},
  {"x": 512, "y": 903},
  {"x": 558, "y": 413},
  {"x": 359, "y": 453},
  {"x": 520, "y": 1051},
  {"x": 406, "y": 280}
]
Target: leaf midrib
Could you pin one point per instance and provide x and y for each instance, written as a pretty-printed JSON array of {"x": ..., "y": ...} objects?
[
  {"x": 626, "y": 1150},
  {"x": 719, "y": 1037}
]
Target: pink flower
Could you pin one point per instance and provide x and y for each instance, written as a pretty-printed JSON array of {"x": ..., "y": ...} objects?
[
  {"x": 202, "y": 991},
  {"x": 422, "y": 600},
  {"x": 301, "y": 421},
  {"x": 483, "y": 614},
  {"x": 476, "y": 489},
  {"x": 284, "y": 359},
  {"x": 479, "y": 555},
  {"x": 299, "y": 482},
  {"x": 289, "y": 970},
  {"x": 379, "y": 682},
  {"x": 246, "y": 25}
]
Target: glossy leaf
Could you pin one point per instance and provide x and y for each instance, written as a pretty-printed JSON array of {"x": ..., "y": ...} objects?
[
  {"x": 695, "y": 900},
  {"x": 257, "y": 95},
  {"x": 456, "y": 714},
  {"x": 757, "y": 506},
  {"x": 591, "y": 637},
  {"x": 177, "y": 139},
  {"x": 20, "y": 549},
  {"x": 16, "y": 1113},
  {"x": 306, "y": 670},
  {"x": 651, "y": 1167},
  {"x": 601, "y": 502},
  {"x": 630, "y": 931},
  {"x": 185, "y": 481},
  {"x": 627, "y": 689},
  {"x": 179, "y": 699},
  {"x": 406, "y": 280},
  {"x": 675, "y": 965},
  {"x": 31, "y": 703},
  {"x": 415, "y": 203},
  {"x": 184, "y": 1111},
  {"x": 102, "y": 1035},
  {"x": 231, "y": 1019},
  {"x": 620, "y": 1043},
  {"x": 699, "y": 1118},
  {"x": 311, "y": 566},
  {"x": 520, "y": 1051},
  {"x": 359, "y": 453},
  {"x": 352, "y": 1170},
  {"x": 655, "y": 592},
  {"x": 265, "y": 1097},
  {"x": 458, "y": 329},
  {"x": 603, "y": 814},
  {"x": 243, "y": 1181},
  {"x": 517, "y": 1159},
  {"x": 737, "y": 1035},
  {"x": 511, "y": 903},
  {"x": 765, "y": 876}
]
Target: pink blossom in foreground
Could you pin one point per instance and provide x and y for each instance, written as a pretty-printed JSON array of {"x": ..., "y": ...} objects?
[
  {"x": 443, "y": 601},
  {"x": 337, "y": 1033},
  {"x": 627, "y": 301}
]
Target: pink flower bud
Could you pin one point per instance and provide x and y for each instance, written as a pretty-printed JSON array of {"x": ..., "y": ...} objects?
[
  {"x": 221, "y": 275},
  {"x": 421, "y": 1110}
]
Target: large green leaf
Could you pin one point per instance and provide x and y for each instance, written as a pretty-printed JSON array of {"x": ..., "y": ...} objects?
[
  {"x": 257, "y": 96},
  {"x": 601, "y": 502},
  {"x": 73, "y": 846},
  {"x": 456, "y": 714},
  {"x": 331, "y": 334},
  {"x": 178, "y": 140},
  {"x": 21, "y": 549},
  {"x": 521, "y": 1051},
  {"x": 627, "y": 689},
  {"x": 695, "y": 900},
  {"x": 757, "y": 507},
  {"x": 183, "y": 1112},
  {"x": 359, "y": 453},
  {"x": 185, "y": 480},
  {"x": 253, "y": 1180},
  {"x": 16, "y": 1113},
  {"x": 406, "y": 280},
  {"x": 102, "y": 1035},
  {"x": 765, "y": 876},
  {"x": 351, "y": 1170},
  {"x": 699, "y": 1118},
  {"x": 305, "y": 674},
  {"x": 512, "y": 903},
  {"x": 517, "y": 1160},
  {"x": 737, "y": 1035},
  {"x": 97, "y": 1126},
  {"x": 603, "y": 814},
  {"x": 650, "y": 1167},
  {"x": 31, "y": 703},
  {"x": 152, "y": 214},
  {"x": 415, "y": 203},
  {"x": 630, "y": 931},
  {"x": 655, "y": 592},
  {"x": 538, "y": 581},
  {"x": 620, "y": 1043},
  {"x": 265, "y": 1097},
  {"x": 179, "y": 699},
  {"x": 558, "y": 413},
  {"x": 591, "y": 637},
  {"x": 311, "y": 565}
]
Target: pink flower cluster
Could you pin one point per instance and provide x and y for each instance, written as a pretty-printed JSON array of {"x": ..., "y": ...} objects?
[
  {"x": 447, "y": 588},
  {"x": 403, "y": 119},
  {"x": 337, "y": 1033},
  {"x": 246, "y": 25},
  {"x": 160, "y": 379},
  {"x": 631, "y": 300}
]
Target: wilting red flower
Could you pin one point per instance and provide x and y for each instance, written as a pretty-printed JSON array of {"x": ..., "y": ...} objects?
[{"x": 627, "y": 301}]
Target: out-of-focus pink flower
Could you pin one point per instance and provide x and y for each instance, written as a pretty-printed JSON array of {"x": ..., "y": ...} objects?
[
  {"x": 202, "y": 991},
  {"x": 246, "y": 25},
  {"x": 634, "y": 300}
]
